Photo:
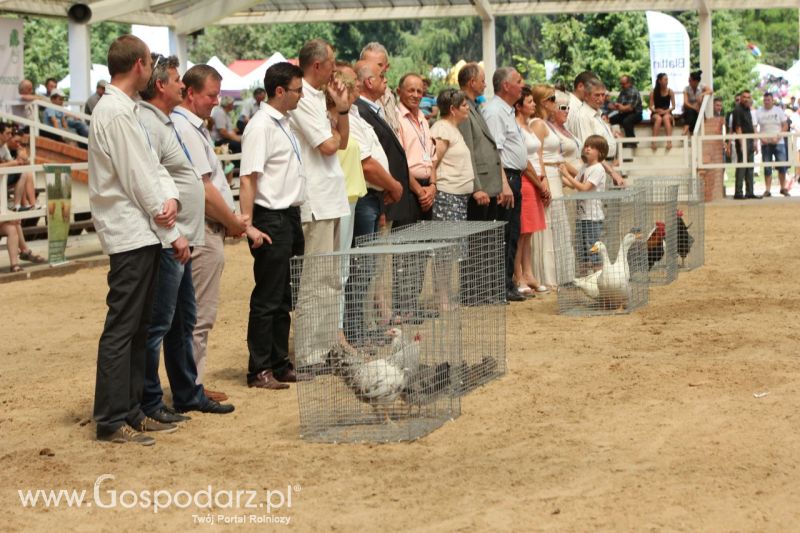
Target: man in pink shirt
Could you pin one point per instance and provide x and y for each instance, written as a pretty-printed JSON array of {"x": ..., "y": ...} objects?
[{"x": 415, "y": 136}]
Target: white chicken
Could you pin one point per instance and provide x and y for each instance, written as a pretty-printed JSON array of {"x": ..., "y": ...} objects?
[
  {"x": 404, "y": 355},
  {"x": 378, "y": 382}
]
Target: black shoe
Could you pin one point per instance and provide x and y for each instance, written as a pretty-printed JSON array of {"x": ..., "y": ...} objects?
[
  {"x": 166, "y": 415},
  {"x": 514, "y": 296},
  {"x": 738, "y": 197},
  {"x": 753, "y": 197},
  {"x": 211, "y": 407}
]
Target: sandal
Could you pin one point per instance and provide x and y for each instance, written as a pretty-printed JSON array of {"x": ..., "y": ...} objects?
[
  {"x": 15, "y": 268},
  {"x": 28, "y": 255}
]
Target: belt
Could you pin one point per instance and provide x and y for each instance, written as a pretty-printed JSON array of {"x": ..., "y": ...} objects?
[{"x": 554, "y": 164}]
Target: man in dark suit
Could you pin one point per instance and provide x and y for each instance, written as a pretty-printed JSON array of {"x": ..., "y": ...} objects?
[
  {"x": 406, "y": 210},
  {"x": 491, "y": 186}
]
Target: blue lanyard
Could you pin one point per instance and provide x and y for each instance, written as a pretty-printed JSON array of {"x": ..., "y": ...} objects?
[
  {"x": 291, "y": 138},
  {"x": 180, "y": 141}
]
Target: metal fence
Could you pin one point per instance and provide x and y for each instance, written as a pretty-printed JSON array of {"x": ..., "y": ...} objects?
[{"x": 660, "y": 238}]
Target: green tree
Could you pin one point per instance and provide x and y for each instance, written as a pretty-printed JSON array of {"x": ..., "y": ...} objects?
[{"x": 774, "y": 31}]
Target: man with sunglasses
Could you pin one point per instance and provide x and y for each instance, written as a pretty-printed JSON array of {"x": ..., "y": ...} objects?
[{"x": 134, "y": 207}]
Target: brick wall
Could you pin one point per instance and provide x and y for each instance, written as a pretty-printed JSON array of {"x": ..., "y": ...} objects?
[{"x": 712, "y": 153}]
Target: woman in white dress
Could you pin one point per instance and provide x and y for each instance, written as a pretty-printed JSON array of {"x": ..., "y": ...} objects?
[
  {"x": 544, "y": 259},
  {"x": 559, "y": 147}
]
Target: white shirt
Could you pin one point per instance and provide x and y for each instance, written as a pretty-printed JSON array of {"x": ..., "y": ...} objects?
[
  {"x": 575, "y": 105},
  {"x": 507, "y": 134},
  {"x": 590, "y": 122},
  {"x": 326, "y": 195},
  {"x": 271, "y": 150},
  {"x": 169, "y": 149},
  {"x": 592, "y": 209},
  {"x": 201, "y": 150},
  {"x": 363, "y": 132},
  {"x": 770, "y": 120},
  {"x": 127, "y": 185}
]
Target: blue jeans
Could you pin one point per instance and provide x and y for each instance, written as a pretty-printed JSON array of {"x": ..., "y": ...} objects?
[
  {"x": 773, "y": 152},
  {"x": 78, "y": 126},
  {"x": 588, "y": 233},
  {"x": 365, "y": 222},
  {"x": 172, "y": 321}
]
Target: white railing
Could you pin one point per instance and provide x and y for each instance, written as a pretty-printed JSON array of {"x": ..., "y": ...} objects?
[{"x": 792, "y": 155}]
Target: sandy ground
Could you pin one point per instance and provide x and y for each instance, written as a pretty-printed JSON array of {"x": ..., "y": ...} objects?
[{"x": 639, "y": 422}]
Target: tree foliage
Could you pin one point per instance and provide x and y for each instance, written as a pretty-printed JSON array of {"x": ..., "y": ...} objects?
[{"x": 774, "y": 31}]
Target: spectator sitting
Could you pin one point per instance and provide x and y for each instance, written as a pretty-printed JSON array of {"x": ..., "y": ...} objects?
[
  {"x": 662, "y": 102},
  {"x": 249, "y": 108},
  {"x": 92, "y": 101},
  {"x": 12, "y": 154},
  {"x": 17, "y": 247},
  {"x": 58, "y": 118},
  {"x": 628, "y": 107},
  {"x": 692, "y": 100},
  {"x": 428, "y": 103},
  {"x": 24, "y": 109},
  {"x": 222, "y": 131},
  {"x": 50, "y": 85}
]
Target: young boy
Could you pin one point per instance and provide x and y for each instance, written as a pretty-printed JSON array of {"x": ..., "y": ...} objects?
[{"x": 590, "y": 216}]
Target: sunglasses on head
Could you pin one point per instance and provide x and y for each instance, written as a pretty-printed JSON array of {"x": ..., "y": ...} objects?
[
  {"x": 563, "y": 107},
  {"x": 552, "y": 98}
]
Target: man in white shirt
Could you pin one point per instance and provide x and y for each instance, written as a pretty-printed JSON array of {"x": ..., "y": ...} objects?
[
  {"x": 577, "y": 97},
  {"x": 272, "y": 191},
  {"x": 174, "y": 309},
  {"x": 771, "y": 119},
  {"x": 326, "y": 196},
  {"x": 134, "y": 207},
  {"x": 200, "y": 95},
  {"x": 590, "y": 122}
]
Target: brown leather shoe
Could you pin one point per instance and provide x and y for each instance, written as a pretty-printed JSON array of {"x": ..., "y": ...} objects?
[
  {"x": 215, "y": 395},
  {"x": 265, "y": 380},
  {"x": 290, "y": 376}
]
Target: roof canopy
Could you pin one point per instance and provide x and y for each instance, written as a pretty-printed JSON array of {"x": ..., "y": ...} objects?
[{"x": 187, "y": 16}]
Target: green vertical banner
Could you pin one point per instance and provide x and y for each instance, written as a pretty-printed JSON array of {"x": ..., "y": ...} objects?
[{"x": 59, "y": 204}]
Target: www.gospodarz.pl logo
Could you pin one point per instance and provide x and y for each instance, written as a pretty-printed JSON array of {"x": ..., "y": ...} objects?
[{"x": 263, "y": 501}]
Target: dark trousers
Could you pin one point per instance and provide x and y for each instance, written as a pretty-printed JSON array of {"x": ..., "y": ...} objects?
[
  {"x": 362, "y": 267},
  {"x": 172, "y": 322},
  {"x": 271, "y": 299},
  {"x": 122, "y": 349},
  {"x": 628, "y": 121},
  {"x": 408, "y": 271},
  {"x": 474, "y": 291},
  {"x": 690, "y": 118},
  {"x": 511, "y": 216},
  {"x": 482, "y": 213},
  {"x": 744, "y": 176}
]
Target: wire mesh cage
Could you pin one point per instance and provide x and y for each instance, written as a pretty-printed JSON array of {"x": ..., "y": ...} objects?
[
  {"x": 600, "y": 271},
  {"x": 481, "y": 290},
  {"x": 660, "y": 239},
  {"x": 384, "y": 382},
  {"x": 689, "y": 217}
]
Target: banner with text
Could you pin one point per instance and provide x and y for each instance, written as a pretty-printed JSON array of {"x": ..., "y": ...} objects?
[
  {"x": 669, "y": 53},
  {"x": 11, "y": 56}
]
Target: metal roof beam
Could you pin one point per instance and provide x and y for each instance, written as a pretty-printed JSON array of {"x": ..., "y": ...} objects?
[
  {"x": 350, "y": 14},
  {"x": 203, "y": 14},
  {"x": 114, "y": 9}
]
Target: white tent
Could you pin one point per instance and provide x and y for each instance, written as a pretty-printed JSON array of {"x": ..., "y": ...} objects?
[
  {"x": 256, "y": 77},
  {"x": 99, "y": 72},
  {"x": 231, "y": 82},
  {"x": 768, "y": 70},
  {"x": 793, "y": 74}
]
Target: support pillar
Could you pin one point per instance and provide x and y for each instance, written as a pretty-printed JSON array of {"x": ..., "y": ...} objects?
[
  {"x": 489, "y": 52},
  {"x": 706, "y": 56},
  {"x": 177, "y": 47},
  {"x": 80, "y": 62}
]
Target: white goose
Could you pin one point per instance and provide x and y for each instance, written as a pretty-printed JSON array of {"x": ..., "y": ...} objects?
[{"x": 613, "y": 283}]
